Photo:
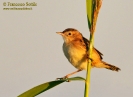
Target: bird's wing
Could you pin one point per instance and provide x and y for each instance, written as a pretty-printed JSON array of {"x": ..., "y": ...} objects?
[{"x": 87, "y": 43}]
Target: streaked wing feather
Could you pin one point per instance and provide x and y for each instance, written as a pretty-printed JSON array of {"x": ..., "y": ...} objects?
[{"x": 87, "y": 43}]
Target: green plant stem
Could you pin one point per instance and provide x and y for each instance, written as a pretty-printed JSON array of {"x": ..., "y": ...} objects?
[
  {"x": 93, "y": 7},
  {"x": 87, "y": 83},
  {"x": 89, "y": 9}
]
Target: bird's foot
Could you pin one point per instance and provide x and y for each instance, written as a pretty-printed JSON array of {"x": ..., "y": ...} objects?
[
  {"x": 89, "y": 58},
  {"x": 63, "y": 78}
]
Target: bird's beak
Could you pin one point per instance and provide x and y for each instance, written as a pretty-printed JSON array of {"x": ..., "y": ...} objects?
[{"x": 60, "y": 33}]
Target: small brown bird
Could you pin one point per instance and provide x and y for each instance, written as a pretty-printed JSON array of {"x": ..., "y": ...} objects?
[{"x": 75, "y": 49}]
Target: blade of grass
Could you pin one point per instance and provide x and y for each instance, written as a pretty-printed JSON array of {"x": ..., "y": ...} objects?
[
  {"x": 46, "y": 86},
  {"x": 89, "y": 12}
]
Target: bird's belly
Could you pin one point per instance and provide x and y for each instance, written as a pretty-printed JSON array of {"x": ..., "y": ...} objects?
[{"x": 78, "y": 58}]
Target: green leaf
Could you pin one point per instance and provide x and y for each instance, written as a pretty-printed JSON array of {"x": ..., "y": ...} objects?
[
  {"x": 46, "y": 86},
  {"x": 76, "y": 79},
  {"x": 89, "y": 9}
]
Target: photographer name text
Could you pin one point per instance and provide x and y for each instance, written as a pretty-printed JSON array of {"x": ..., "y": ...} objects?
[{"x": 20, "y": 4}]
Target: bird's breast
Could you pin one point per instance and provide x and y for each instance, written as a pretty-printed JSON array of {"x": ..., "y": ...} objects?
[{"x": 75, "y": 55}]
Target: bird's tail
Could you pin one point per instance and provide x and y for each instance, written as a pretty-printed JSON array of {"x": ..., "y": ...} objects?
[{"x": 111, "y": 67}]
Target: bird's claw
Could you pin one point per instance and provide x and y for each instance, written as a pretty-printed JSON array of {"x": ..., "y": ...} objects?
[
  {"x": 63, "y": 78},
  {"x": 89, "y": 58}
]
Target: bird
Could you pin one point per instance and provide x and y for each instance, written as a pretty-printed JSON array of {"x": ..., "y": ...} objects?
[{"x": 75, "y": 48}]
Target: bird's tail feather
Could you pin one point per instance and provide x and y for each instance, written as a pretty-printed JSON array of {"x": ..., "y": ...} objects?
[{"x": 111, "y": 67}]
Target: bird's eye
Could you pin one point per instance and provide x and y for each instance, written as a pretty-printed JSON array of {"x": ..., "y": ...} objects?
[{"x": 69, "y": 33}]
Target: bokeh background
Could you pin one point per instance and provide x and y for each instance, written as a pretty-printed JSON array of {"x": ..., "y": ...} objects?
[{"x": 31, "y": 51}]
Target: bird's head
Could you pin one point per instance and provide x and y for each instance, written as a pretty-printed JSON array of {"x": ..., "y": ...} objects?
[{"x": 70, "y": 35}]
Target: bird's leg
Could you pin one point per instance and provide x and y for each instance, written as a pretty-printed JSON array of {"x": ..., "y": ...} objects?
[
  {"x": 65, "y": 77},
  {"x": 72, "y": 73}
]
